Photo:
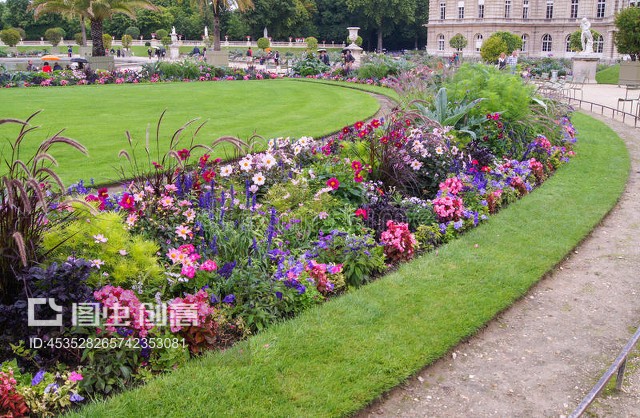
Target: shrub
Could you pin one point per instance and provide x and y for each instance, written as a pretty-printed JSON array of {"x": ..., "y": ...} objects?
[
  {"x": 264, "y": 43},
  {"x": 309, "y": 66},
  {"x": 78, "y": 39},
  {"x": 166, "y": 41},
  {"x": 312, "y": 43},
  {"x": 26, "y": 204},
  {"x": 458, "y": 42},
  {"x": 126, "y": 41},
  {"x": 54, "y": 35},
  {"x": 107, "y": 40},
  {"x": 10, "y": 37},
  {"x": 132, "y": 31},
  {"x": 161, "y": 33},
  {"x": 492, "y": 48},
  {"x": 358, "y": 41},
  {"x": 627, "y": 37}
]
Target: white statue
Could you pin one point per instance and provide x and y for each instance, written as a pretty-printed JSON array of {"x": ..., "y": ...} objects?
[
  {"x": 586, "y": 38},
  {"x": 173, "y": 30},
  {"x": 206, "y": 32}
]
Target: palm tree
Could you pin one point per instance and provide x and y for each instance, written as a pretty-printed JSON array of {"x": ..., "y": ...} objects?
[
  {"x": 218, "y": 7},
  {"x": 67, "y": 8},
  {"x": 97, "y": 11}
]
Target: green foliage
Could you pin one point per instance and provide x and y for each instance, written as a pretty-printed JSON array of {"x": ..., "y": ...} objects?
[
  {"x": 512, "y": 41},
  {"x": 358, "y": 41},
  {"x": 627, "y": 37},
  {"x": 501, "y": 92},
  {"x": 448, "y": 113},
  {"x": 78, "y": 38},
  {"x": 129, "y": 260},
  {"x": 264, "y": 43},
  {"x": 10, "y": 37},
  {"x": 126, "y": 41},
  {"x": 458, "y": 42},
  {"x": 132, "y": 31},
  {"x": 312, "y": 43},
  {"x": 107, "y": 40},
  {"x": 378, "y": 66},
  {"x": 54, "y": 35},
  {"x": 609, "y": 75},
  {"x": 161, "y": 33},
  {"x": 166, "y": 41},
  {"x": 492, "y": 48},
  {"x": 108, "y": 371},
  {"x": 309, "y": 66}
]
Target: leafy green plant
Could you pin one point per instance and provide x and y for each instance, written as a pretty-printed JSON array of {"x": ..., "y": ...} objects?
[
  {"x": 454, "y": 114},
  {"x": 126, "y": 41},
  {"x": 132, "y": 31},
  {"x": 10, "y": 37},
  {"x": 627, "y": 37},
  {"x": 54, "y": 35},
  {"x": 264, "y": 43},
  {"x": 458, "y": 42},
  {"x": 312, "y": 43},
  {"x": 492, "y": 48},
  {"x": 26, "y": 204},
  {"x": 107, "y": 40},
  {"x": 309, "y": 66},
  {"x": 162, "y": 33},
  {"x": 107, "y": 371}
]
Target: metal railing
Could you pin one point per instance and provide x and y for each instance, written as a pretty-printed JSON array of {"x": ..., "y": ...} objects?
[
  {"x": 617, "y": 368},
  {"x": 616, "y": 114}
]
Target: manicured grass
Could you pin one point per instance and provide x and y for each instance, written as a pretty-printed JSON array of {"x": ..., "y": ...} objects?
[
  {"x": 334, "y": 359},
  {"x": 392, "y": 94},
  {"x": 98, "y": 116},
  {"x": 609, "y": 75}
]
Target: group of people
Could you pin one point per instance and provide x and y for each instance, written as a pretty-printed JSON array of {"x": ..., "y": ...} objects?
[
  {"x": 271, "y": 55},
  {"x": 159, "y": 53},
  {"x": 46, "y": 67},
  {"x": 511, "y": 61}
]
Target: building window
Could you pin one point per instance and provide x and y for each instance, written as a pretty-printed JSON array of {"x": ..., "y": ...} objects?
[
  {"x": 549, "y": 14},
  {"x": 574, "y": 9},
  {"x": 525, "y": 39},
  {"x": 600, "y": 8},
  {"x": 443, "y": 10},
  {"x": 460, "y": 10},
  {"x": 567, "y": 42},
  {"x": 441, "y": 42},
  {"x": 478, "y": 39},
  {"x": 507, "y": 9},
  {"x": 546, "y": 43},
  {"x": 598, "y": 44},
  {"x": 481, "y": 9},
  {"x": 525, "y": 9}
]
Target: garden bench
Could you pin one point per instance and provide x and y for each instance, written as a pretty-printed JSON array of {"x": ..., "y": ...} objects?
[{"x": 575, "y": 86}]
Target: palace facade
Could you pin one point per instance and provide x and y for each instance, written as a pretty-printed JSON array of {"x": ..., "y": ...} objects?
[{"x": 543, "y": 25}]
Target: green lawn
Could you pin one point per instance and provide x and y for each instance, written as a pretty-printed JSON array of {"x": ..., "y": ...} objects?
[
  {"x": 98, "y": 116},
  {"x": 609, "y": 75},
  {"x": 335, "y": 359}
]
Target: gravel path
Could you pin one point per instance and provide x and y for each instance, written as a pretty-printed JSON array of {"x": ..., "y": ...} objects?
[{"x": 544, "y": 354}]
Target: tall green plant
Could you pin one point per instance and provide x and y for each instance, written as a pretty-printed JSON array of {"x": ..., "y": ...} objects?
[
  {"x": 451, "y": 114},
  {"x": 25, "y": 196},
  {"x": 627, "y": 37}
]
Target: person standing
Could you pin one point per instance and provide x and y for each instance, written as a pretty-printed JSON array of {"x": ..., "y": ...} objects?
[
  {"x": 324, "y": 57},
  {"x": 512, "y": 61},
  {"x": 30, "y": 66},
  {"x": 502, "y": 61},
  {"x": 69, "y": 51},
  {"x": 348, "y": 61},
  {"x": 149, "y": 52}
]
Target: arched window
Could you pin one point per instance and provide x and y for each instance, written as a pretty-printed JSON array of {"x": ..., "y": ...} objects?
[
  {"x": 546, "y": 42},
  {"x": 441, "y": 42},
  {"x": 598, "y": 44},
  {"x": 567, "y": 42},
  {"x": 525, "y": 40},
  {"x": 478, "y": 38}
]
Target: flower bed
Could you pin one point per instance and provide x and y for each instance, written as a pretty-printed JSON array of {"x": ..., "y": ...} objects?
[{"x": 199, "y": 254}]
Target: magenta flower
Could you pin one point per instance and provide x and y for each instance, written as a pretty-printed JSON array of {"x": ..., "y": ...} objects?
[{"x": 333, "y": 183}]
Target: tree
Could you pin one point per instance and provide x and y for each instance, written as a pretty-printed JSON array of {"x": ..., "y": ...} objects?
[
  {"x": 126, "y": 41},
  {"x": 458, "y": 42},
  {"x": 107, "y": 40},
  {"x": 66, "y": 8},
  {"x": 492, "y": 48},
  {"x": 54, "y": 35},
  {"x": 627, "y": 38},
  {"x": 220, "y": 6},
  {"x": 10, "y": 37},
  {"x": 511, "y": 40},
  {"x": 312, "y": 43},
  {"x": 133, "y": 32},
  {"x": 96, "y": 11},
  {"x": 384, "y": 13},
  {"x": 161, "y": 33},
  {"x": 263, "y": 43}
]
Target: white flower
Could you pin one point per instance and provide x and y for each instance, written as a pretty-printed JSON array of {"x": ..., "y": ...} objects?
[
  {"x": 100, "y": 239},
  {"x": 137, "y": 197},
  {"x": 268, "y": 161},
  {"x": 226, "y": 171},
  {"x": 297, "y": 149},
  {"x": 131, "y": 219},
  {"x": 312, "y": 175},
  {"x": 415, "y": 164},
  {"x": 183, "y": 231},
  {"x": 245, "y": 164},
  {"x": 258, "y": 179},
  {"x": 253, "y": 188},
  {"x": 454, "y": 150},
  {"x": 190, "y": 214},
  {"x": 439, "y": 150},
  {"x": 97, "y": 263},
  {"x": 123, "y": 252}
]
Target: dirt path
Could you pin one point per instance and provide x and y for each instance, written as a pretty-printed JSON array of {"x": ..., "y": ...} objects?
[{"x": 540, "y": 357}]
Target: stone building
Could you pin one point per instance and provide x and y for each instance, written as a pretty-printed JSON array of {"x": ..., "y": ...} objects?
[{"x": 543, "y": 25}]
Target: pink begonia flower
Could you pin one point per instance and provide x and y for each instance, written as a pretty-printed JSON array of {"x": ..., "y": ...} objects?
[
  {"x": 209, "y": 265},
  {"x": 75, "y": 376}
]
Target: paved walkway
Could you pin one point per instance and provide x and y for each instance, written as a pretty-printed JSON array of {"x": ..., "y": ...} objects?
[{"x": 544, "y": 354}]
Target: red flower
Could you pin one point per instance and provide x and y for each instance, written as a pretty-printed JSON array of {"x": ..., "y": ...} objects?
[
  {"x": 362, "y": 133},
  {"x": 333, "y": 183},
  {"x": 356, "y": 165},
  {"x": 384, "y": 139},
  {"x": 127, "y": 202},
  {"x": 358, "y": 178},
  {"x": 486, "y": 169},
  {"x": 345, "y": 130},
  {"x": 183, "y": 154},
  {"x": 474, "y": 162},
  {"x": 362, "y": 213},
  {"x": 103, "y": 193},
  {"x": 358, "y": 125},
  {"x": 156, "y": 165},
  {"x": 375, "y": 123},
  {"x": 203, "y": 160},
  {"x": 208, "y": 176},
  {"x": 408, "y": 122}
]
